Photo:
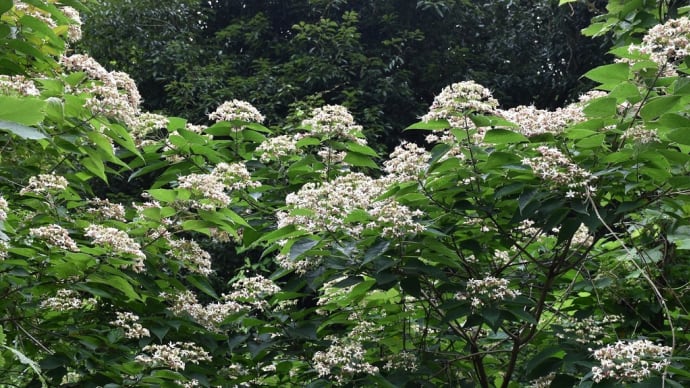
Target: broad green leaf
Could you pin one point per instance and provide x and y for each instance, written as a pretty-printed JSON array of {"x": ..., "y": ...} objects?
[
  {"x": 27, "y": 110},
  {"x": 609, "y": 75},
  {"x": 301, "y": 246},
  {"x": 433, "y": 125},
  {"x": 96, "y": 167},
  {"x": 359, "y": 160},
  {"x": 657, "y": 106},
  {"x": 504, "y": 136},
  {"x": 202, "y": 284},
  {"x": 163, "y": 195},
  {"x": 361, "y": 149},
  {"x": 491, "y": 121},
  {"x": 592, "y": 141},
  {"x": 680, "y": 136},
  {"x": 601, "y": 107},
  {"x": 22, "y": 130},
  {"x": 117, "y": 282},
  {"x": 5, "y": 5}
]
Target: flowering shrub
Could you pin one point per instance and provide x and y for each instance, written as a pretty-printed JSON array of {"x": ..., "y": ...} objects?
[{"x": 501, "y": 256}]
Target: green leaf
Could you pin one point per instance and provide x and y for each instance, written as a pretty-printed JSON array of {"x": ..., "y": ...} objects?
[
  {"x": 601, "y": 107},
  {"x": 22, "y": 130},
  {"x": 592, "y": 141},
  {"x": 29, "y": 362},
  {"x": 202, "y": 284},
  {"x": 27, "y": 111},
  {"x": 658, "y": 106},
  {"x": 433, "y": 125},
  {"x": 359, "y": 160},
  {"x": 680, "y": 136},
  {"x": 504, "y": 136},
  {"x": 301, "y": 246},
  {"x": 609, "y": 75},
  {"x": 117, "y": 282},
  {"x": 361, "y": 149},
  {"x": 96, "y": 167},
  {"x": 5, "y": 5}
]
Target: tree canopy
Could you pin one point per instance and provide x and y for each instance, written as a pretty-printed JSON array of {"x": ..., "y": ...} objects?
[{"x": 384, "y": 60}]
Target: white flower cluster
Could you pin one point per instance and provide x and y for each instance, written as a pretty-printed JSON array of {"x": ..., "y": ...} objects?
[
  {"x": 482, "y": 292},
  {"x": 119, "y": 242},
  {"x": 44, "y": 184},
  {"x": 212, "y": 187},
  {"x": 74, "y": 29},
  {"x": 668, "y": 42},
  {"x": 254, "y": 291},
  {"x": 554, "y": 166},
  {"x": 588, "y": 330},
  {"x": 17, "y": 84},
  {"x": 65, "y": 300},
  {"x": 173, "y": 355},
  {"x": 630, "y": 361},
  {"x": 405, "y": 361},
  {"x": 209, "y": 316},
  {"x": 277, "y": 148},
  {"x": 460, "y": 99},
  {"x": 582, "y": 236},
  {"x": 640, "y": 134},
  {"x": 106, "y": 210},
  {"x": 343, "y": 360},
  {"x": 532, "y": 121},
  {"x": 236, "y": 110},
  {"x": 334, "y": 122},
  {"x": 406, "y": 162},
  {"x": 4, "y": 246},
  {"x": 190, "y": 253},
  {"x": 327, "y": 207},
  {"x": 128, "y": 322},
  {"x": 331, "y": 156},
  {"x": 146, "y": 123},
  {"x": 56, "y": 236},
  {"x": 4, "y": 208},
  {"x": 542, "y": 382}
]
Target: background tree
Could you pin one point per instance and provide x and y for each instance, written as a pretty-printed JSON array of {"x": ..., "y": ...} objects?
[{"x": 385, "y": 60}]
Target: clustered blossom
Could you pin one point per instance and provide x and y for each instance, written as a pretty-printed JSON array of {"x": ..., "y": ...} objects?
[
  {"x": 253, "y": 290},
  {"x": 334, "y": 122},
  {"x": 642, "y": 135},
  {"x": 146, "y": 123},
  {"x": 343, "y": 360},
  {"x": 542, "y": 382},
  {"x": 327, "y": 207},
  {"x": 17, "y": 84},
  {"x": 397, "y": 220},
  {"x": 74, "y": 29},
  {"x": 65, "y": 300},
  {"x": 189, "y": 252},
  {"x": 4, "y": 208},
  {"x": 532, "y": 121},
  {"x": 582, "y": 236},
  {"x": 210, "y": 316},
  {"x": 630, "y": 361},
  {"x": 554, "y": 166},
  {"x": 56, "y": 236},
  {"x": 173, "y": 355},
  {"x": 212, "y": 187},
  {"x": 277, "y": 148},
  {"x": 406, "y": 162},
  {"x": 460, "y": 99},
  {"x": 482, "y": 292},
  {"x": 406, "y": 361},
  {"x": 107, "y": 210},
  {"x": 128, "y": 322},
  {"x": 588, "y": 330},
  {"x": 35, "y": 12},
  {"x": 236, "y": 110},
  {"x": 4, "y": 246},
  {"x": 666, "y": 43},
  {"x": 331, "y": 156},
  {"x": 44, "y": 184},
  {"x": 119, "y": 242}
]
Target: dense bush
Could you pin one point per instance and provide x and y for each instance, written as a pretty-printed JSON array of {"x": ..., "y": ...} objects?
[{"x": 515, "y": 247}]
